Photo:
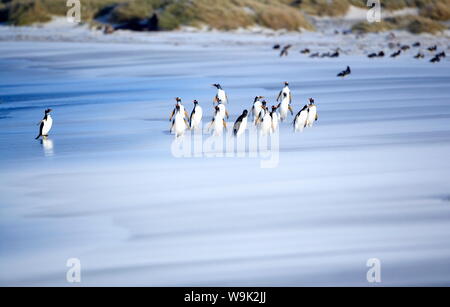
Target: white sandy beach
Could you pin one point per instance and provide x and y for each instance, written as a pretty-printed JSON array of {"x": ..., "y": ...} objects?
[{"x": 370, "y": 180}]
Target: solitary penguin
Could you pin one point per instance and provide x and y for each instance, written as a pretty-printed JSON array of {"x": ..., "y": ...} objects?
[
  {"x": 285, "y": 90},
  {"x": 285, "y": 107},
  {"x": 345, "y": 72},
  {"x": 301, "y": 119},
  {"x": 179, "y": 124},
  {"x": 241, "y": 124},
  {"x": 312, "y": 113},
  {"x": 218, "y": 123},
  {"x": 256, "y": 108},
  {"x": 45, "y": 124},
  {"x": 196, "y": 116},
  {"x": 275, "y": 118},
  {"x": 221, "y": 95}
]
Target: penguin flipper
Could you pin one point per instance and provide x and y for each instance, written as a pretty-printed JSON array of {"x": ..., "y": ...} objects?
[
  {"x": 279, "y": 96},
  {"x": 317, "y": 116},
  {"x": 290, "y": 109},
  {"x": 171, "y": 115}
]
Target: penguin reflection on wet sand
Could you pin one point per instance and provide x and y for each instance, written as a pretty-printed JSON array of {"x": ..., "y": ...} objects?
[
  {"x": 196, "y": 116},
  {"x": 241, "y": 124},
  {"x": 218, "y": 124},
  {"x": 301, "y": 119},
  {"x": 221, "y": 94},
  {"x": 45, "y": 124}
]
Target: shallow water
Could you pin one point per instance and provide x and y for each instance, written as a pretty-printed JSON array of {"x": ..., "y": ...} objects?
[{"x": 370, "y": 180}]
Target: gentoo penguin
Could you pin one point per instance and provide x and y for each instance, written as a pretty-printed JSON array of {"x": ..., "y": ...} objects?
[
  {"x": 433, "y": 48},
  {"x": 305, "y": 51},
  {"x": 420, "y": 55},
  {"x": 435, "y": 59},
  {"x": 286, "y": 90},
  {"x": 256, "y": 108},
  {"x": 442, "y": 54},
  {"x": 218, "y": 123},
  {"x": 45, "y": 124},
  {"x": 179, "y": 108},
  {"x": 405, "y": 47},
  {"x": 372, "y": 55},
  {"x": 417, "y": 44},
  {"x": 261, "y": 113},
  {"x": 275, "y": 118},
  {"x": 285, "y": 107},
  {"x": 285, "y": 50},
  {"x": 314, "y": 55},
  {"x": 381, "y": 54},
  {"x": 241, "y": 124},
  {"x": 345, "y": 72},
  {"x": 312, "y": 113},
  {"x": 221, "y": 95},
  {"x": 266, "y": 122},
  {"x": 223, "y": 109},
  {"x": 179, "y": 124},
  {"x": 196, "y": 116},
  {"x": 301, "y": 119}
]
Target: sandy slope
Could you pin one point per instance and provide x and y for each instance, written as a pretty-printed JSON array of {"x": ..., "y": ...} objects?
[{"x": 370, "y": 180}]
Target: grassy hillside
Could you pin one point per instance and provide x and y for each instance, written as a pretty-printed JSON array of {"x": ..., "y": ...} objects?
[{"x": 219, "y": 14}]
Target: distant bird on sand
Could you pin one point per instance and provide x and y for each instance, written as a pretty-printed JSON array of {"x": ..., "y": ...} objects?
[
  {"x": 305, "y": 51},
  {"x": 416, "y": 44},
  {"x": 196, "y": 116},
  {"x": 396, "y": 54},
  {"x": 301, "y": 119},
  {"x": 221, "y": 95},
  {"x": 314, "y": 55},
  {"x": 285, "y": 50},
  {"x": 442, "y": 55},
  {"x": 432, "y": 48},
  {"x": 345, "y": 72},
  {"x": 45, "y": 124},
  {"x": 241, "y": 124},
  {"x": 312, "y": 113},
  {"x": 335, "y": 54},
  {"x": 372, "y": 55},
  {"x": 405, "y": 47},
  {"x": 381, "y": 54},
  {"x": 420, "y": 55},
  {"x": 277, "y": 46},
  {"x": 435, "y": 59}
]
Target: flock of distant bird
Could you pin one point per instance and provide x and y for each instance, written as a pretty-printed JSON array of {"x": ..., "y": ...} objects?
[
  {"x": 264, "y": 119},
  {"x": 336, "y": 53}
]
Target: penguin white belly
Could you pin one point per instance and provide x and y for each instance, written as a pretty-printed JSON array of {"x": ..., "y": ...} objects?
[
  {"x": 300, "y": 121},
  {"x": 266, "y": 124},
  {"x": 284, "y": 109},
  {"x": 222, "y": 96},
  {"x": 179, "y": 126},
  {"x": 242, "y": 127},
  {"x": 218, "y": 126},
  {"x": 197, "y": 118},
  {"x": 222, "y": 110},
  {"x": 311, "y": 116},
  {"x": 274, "y": 122},
  {"x": 47, "y": 125},
  {"x": 256, "y": 110}
]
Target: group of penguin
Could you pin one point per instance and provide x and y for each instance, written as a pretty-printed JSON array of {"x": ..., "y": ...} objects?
[{"x": 264, "y": 119}]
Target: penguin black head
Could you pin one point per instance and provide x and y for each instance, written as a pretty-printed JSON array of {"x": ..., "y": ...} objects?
[
  {"x": 286, "y": 83},
  {"x": 258, "y": 98},
  {"x": 311, "y": 101},
  {"x": 245, "y": 113},
  {"x": 264, "y": 103},
  {"x": 274, "y": 108},
  {"x": 178, "y": 99},
  {"x": 195, "y": 102},
  {"x": 217, "y": 85},
  {"x": 48, "y": 111}
]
